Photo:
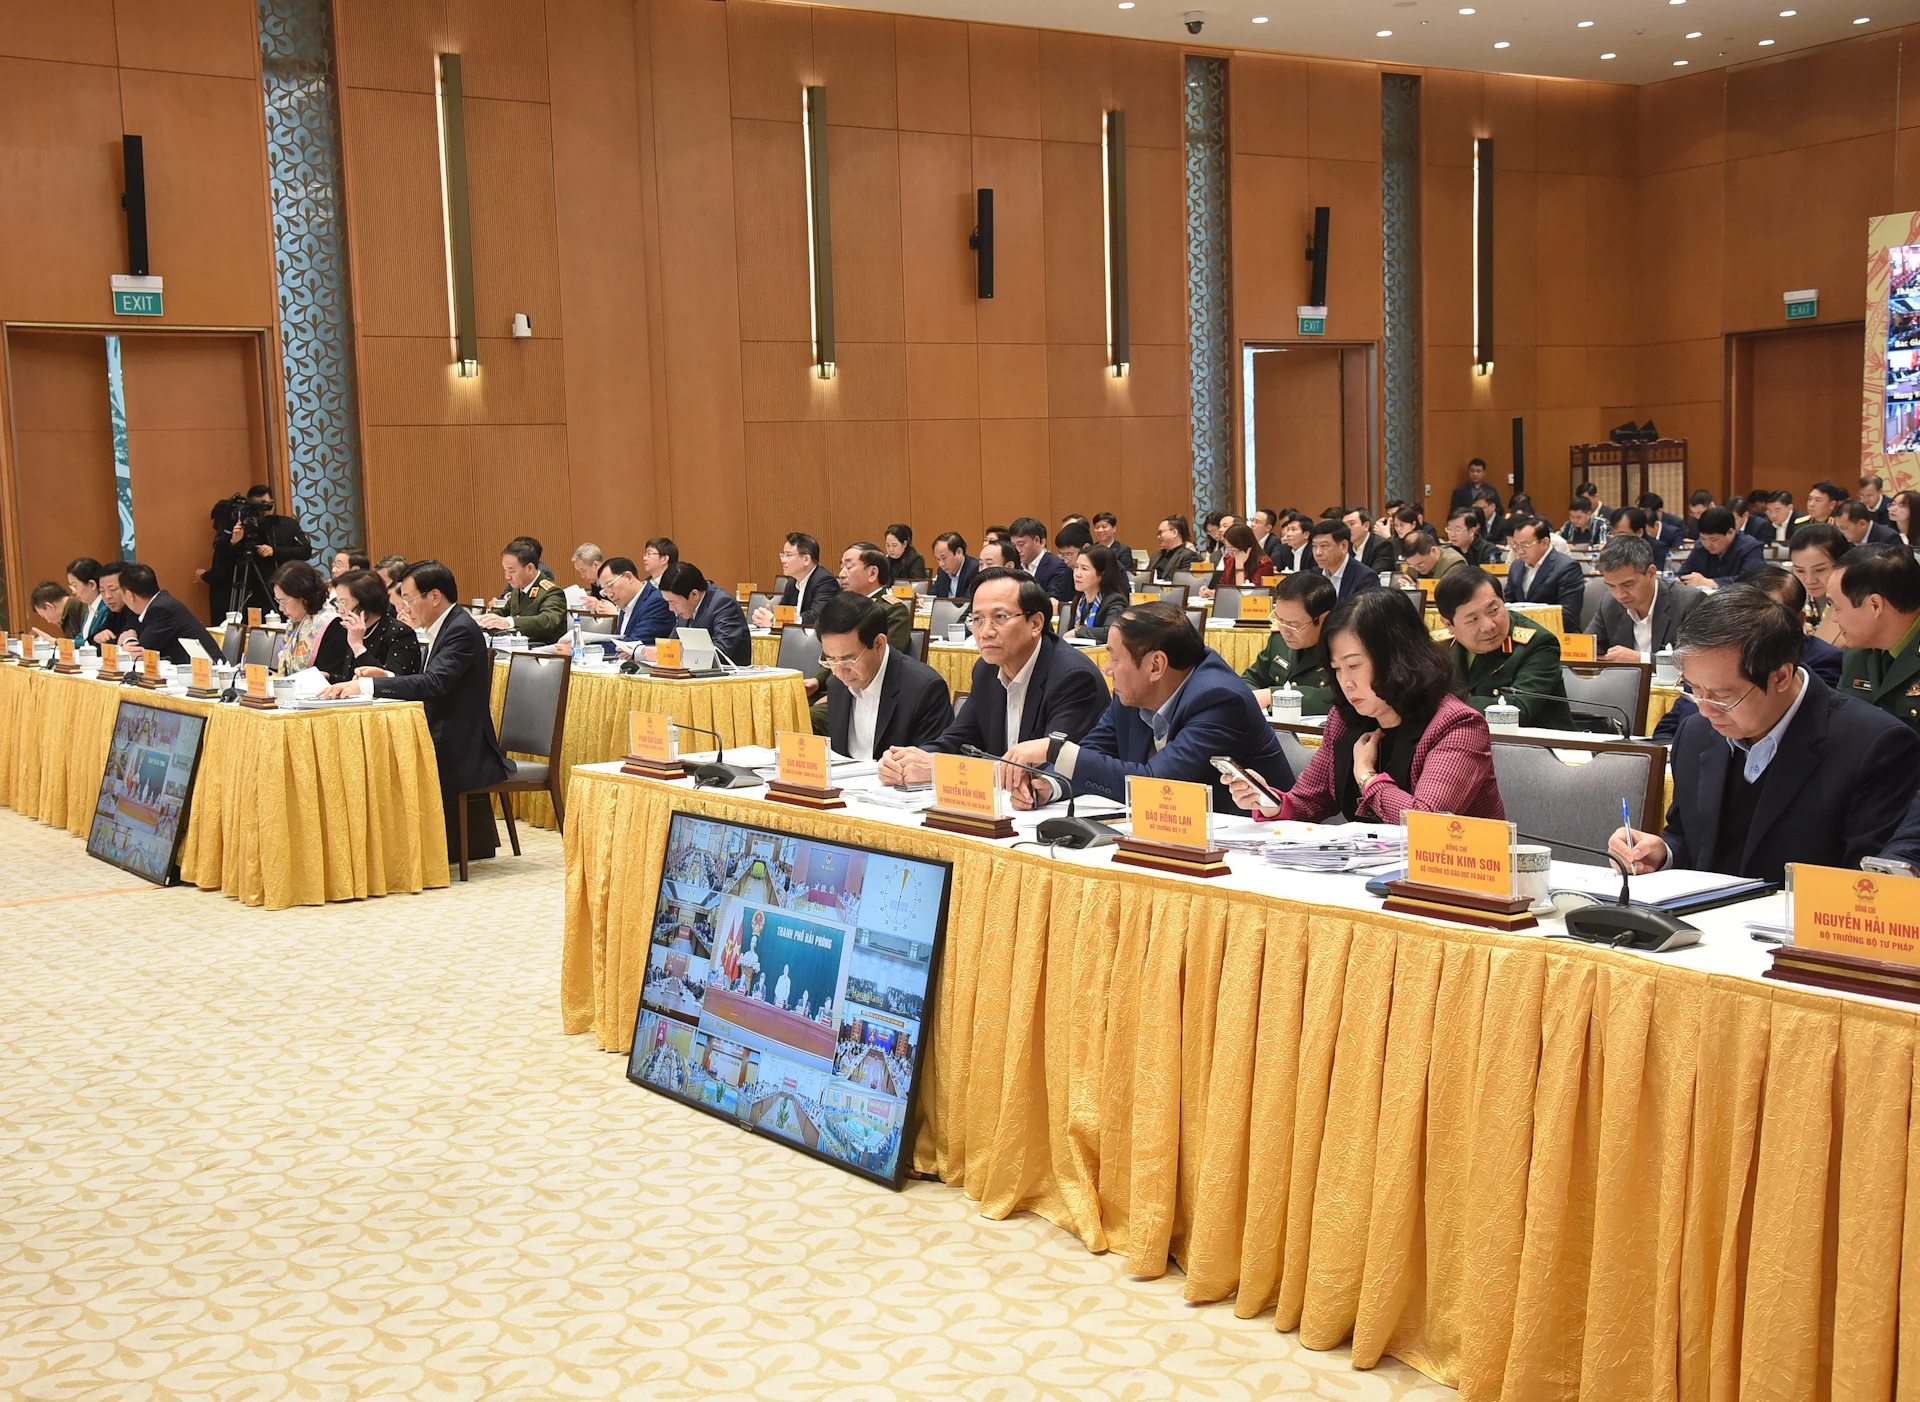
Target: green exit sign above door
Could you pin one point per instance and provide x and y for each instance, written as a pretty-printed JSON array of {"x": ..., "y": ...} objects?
[
  {"x": 137, "y": 296},
  {"x": 1803, "y": 305},
  {"x": 1313, "y": 320}
]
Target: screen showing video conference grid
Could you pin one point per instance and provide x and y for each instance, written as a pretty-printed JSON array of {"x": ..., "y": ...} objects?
[
  {"x": 1903, "y": 350},
  {"x": 788, "y": 986}
]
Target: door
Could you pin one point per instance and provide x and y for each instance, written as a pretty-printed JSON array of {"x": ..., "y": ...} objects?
[{"x": 1309, "y": 440}]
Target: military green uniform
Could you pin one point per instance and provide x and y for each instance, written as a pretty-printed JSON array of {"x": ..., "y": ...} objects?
[
  {"x": 539, "y": 611},
  {"x": 1529, "y": 660},
  {"x": 1309, "y": 673},
  {"x": 899, "y": 635},
  {"x": 1888, "y": 678}
]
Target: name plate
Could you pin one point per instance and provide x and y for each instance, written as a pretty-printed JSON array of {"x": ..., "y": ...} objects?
[
  {"x": 903, "y": 591},
  {"x": 666, "y": 653},
  {"x": 6, "y": 641},
  {"x": 65, "y": 650},
  {"x": 1171, "y": 812},
  {"x": 27, "y": 650},
  {"x": 783, "y": 614},
  {"x": 1460, "y": 854},
  {"x": 1428, "y": 585},
  {"x": 1859, "y": 913},
  {"x": 1256, "y": 608},
  {"x": 743, "y": 592},
  {"x": 965, "y": 785},
  {"x": 1576, "y": 647},
  {"x": 1139, "y": 598},
  {"x": 257, "y": 681},
  {"x": 109, "y": 657},
  {"x": 202, "y": 674},
  {"x": 650, "y": 736},
  {"x": 253, "y": 617},
  {"x": 802, "y": 759},
  {"x": 150, "y": 665},
  {"x": 1202, "y": 566}
]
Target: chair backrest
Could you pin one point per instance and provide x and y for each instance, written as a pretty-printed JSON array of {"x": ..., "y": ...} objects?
[
  {"x": 1226, "y": 601},
  {"x": 1298, "y": 755},
  {"x": 799, "y": 649},
  {"x": 1184, "y": 579},
  {"x": 960, "y": 704},
  {"x": 1622, "y": 684},
  {"x": 233, "y": 643},
  {"x": 757, "y": 600},
  {"x": 261, "y": 645},
  {"x": 1175, "y": 594},
  {"x": 944, "y": 613},
  {"x": 1553, "y": 801},
  {"x": 534, "y": 714},
  {"x": 603, "y": 625},
  {"x": 1595, "y": 594},
  {"x": 917, "y": 643},
  {"x": 1197, "y": 616}
]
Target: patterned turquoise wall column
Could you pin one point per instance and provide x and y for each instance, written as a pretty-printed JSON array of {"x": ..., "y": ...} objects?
[
  {"x": 122, "y": 458},
  {"x": 1400, "y": 247},
  {"x": 1209, "y": 325},
  {"x": 310, "y": 241}
]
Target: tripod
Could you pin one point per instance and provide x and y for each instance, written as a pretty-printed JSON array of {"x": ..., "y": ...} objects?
[{"x": 248, "y": 586}]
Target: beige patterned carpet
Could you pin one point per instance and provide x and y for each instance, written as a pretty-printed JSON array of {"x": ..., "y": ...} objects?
[{"x": 346, "y": 1153}]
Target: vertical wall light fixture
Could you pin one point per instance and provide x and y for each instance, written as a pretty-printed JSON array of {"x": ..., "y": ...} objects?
[
  {"x": 459, "y": 227},
  {"x": 1113, "y": 183},
  {"x": 813, "y": 126},
  {"x": 1483, "y": 256}
]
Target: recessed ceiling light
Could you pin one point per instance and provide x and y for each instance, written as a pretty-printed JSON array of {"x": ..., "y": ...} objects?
[
  {"x": 1259, "y": 19},
  {"x": 1467, "y": 11},
  {"x": 1502, "y": 44},
  {"x": 1788, "y": 14},
  {"x": 1765, "y": 42},
  {"x": 1679, "y": 63},
  {"x": 1383, "y": 33},
  {"x": 1126, "y": 4},
  {"x": 1609, "y": 55},
  {"x": 1864, "y": 19},
  {"x": 1694, "y": 35},
  {"x": 1584, "y": 24}
]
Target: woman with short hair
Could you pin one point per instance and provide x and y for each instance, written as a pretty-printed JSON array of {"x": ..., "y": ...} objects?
[
  {"x": 376, "y": 634},
  {"x": 312, "y": 639},
  {"x": 1101, "y": 591}
]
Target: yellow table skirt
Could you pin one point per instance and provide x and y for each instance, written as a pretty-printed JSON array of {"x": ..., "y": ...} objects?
[
  {"x": 1549, "y": 616},
  {"x": 766, "y": 651},
  {"x": 747, "y": 710},
  {"x": 290, "y": 808},
  {"x": 1534, "y": 1170},
  {"x": 1660, "y": 700},
  {"x": 1238, "y": 647}
]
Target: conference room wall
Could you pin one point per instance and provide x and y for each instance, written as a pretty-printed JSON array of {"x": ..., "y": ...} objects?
[{"x": 73, "y": 77}]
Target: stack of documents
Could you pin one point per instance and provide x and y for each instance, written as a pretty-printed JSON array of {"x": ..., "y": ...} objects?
[
  {"x": 1673, "y": 890},
  {"x": 1322, "y": 847}
]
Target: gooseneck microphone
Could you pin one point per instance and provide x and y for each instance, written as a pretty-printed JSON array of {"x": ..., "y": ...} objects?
[
  {"x": 1069, "y": 831},
  {"x": 1616, "y": 713},
  {"x": 1627, "y": 923},
  {"x": 717, "y": 773}
]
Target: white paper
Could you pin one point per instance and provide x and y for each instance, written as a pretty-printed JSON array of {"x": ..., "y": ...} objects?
[
  {"x": 308, "y": 681},
  {"x": 1649, "y": 889}
]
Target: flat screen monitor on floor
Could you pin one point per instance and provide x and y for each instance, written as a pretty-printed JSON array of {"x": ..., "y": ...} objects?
[
  {"x": 789, "y": 987},
  {"x": 141, "y": 812}
]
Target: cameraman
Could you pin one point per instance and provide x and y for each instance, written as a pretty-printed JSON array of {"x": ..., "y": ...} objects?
[{"x": 250, "y": 543}]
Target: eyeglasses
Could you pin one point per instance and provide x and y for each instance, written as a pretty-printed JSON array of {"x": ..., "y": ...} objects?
[
  {"x": 994, "y": 622},
  {"x": 1293, "y": 625},
  {"x": 838, "y": 662},
  {"x": 1723, "y": 707}
]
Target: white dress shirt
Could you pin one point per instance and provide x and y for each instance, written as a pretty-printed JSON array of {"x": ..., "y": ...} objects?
[
  {"x": 800, "y": 591},
  {"x": 1017, "y": 696},
  {"x": 866, "y": 711},
  {"x": 1341, "y": 573}
]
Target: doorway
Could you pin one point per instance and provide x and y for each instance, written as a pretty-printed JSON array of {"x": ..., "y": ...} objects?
[
  {"x": 194, "y": 415},
  {"x": 1310, "y": 416},
  {"x": 1793, "y": 408}
]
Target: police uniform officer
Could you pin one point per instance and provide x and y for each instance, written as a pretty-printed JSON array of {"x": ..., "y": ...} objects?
[
  {"x": 539, "y": 612},
  {"x": 1887, "y": 679},
  {"x": 1528, "y": 659},
  {"x": 1307, "y": 672}
]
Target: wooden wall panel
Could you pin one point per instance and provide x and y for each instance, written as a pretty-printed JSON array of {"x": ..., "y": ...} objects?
[
  {"x": 1801, "y": 418},
  {"x": 397, "y": 226},
  {"x": 1149, "y": 83},
  {"x": 865, "y": 179},
  {"x": 60, "y": 145},
  {"x": 1267, "y": 100},
  {"x": 219, "y": 38},
  {"x": 1836, "y": 93},
  {"x": 935, "y": 217},
  {"x": 516, "y": 243},
  {"x": 1075, "y": 237},
  {"x": 769, "y": 59},
  {"x": 80, "y": 31},
  {"x": 392, "y": 44},
  {"x": 1271, "y": 221},
  {"x": 1076, "y": 85},
  {"x": 934, "y": 89},
  {"x": 63, "y": 472},
  {"x": 1084, "y": 458},
  {"x": 770, "y": 226},
  {"x": 1017, "y": 310},
  {"x": 854, "y": 58},
  {"x": 420, "y": 500},
  {"x": 503, "y": 48},
  {"x": 867, "y": 484},
  {"x": 944, "y": 481},
  {"x": 1015, "y": 470},
  {"x": 1157, "y": 243},
  {"x": 1003, "y": 73}
]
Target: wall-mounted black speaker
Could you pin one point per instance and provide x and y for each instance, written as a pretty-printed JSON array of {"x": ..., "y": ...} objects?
[
  {"x": 1519, "y": 455},
  {"x": 134, "y": 201},
  {"x": 982, "y": 243},
  {"x": 1317, "y": 255}
]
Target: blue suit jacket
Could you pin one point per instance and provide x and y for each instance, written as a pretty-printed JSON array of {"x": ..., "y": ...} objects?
[
  {"x": 946, "y": 587},
  {"x": 1357, "y": 578},
  {"x": 1050, "y": 572},
  {"x": 1744, "y": 554},
  {"x": 649, "y": 620},
  {"x": 1556, "y": 580},
  {"x": 1214, "y": 713},
  {"x": 720, "y": 614},
  {"x": 1066, "y": 693}
]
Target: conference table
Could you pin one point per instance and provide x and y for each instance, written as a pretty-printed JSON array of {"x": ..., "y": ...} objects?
[
  {"x": 289, "y": 807},
  {"x": 1529, "y": 1167},
  {"x": 746, "y": 708}
]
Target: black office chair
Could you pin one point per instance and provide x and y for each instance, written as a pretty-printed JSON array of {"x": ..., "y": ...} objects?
[
  {"x": 1197, "y": 617},
  {"x": 533, "y": 720},
  {"x": 261, "y": 645},
  {"x": 799, "y": 650},
  {"x": 917, "y": 640},
  {"x": 233, "y": 644}
]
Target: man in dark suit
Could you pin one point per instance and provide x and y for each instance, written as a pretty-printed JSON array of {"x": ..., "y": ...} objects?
[
  {"x": 1265, "y": 523},
  {"x": 1904, "y": 845},
  {"x": 1176, "y": 704},
  {"x": 1376, "y": 552},
  {"x": 1773, "y": 519},
  {"x": 1049, "y": 571},
  {"x": 1106, "y": 531},
  {"x": 1631, "y": 520},
  {"x": 1723, "y": 552},
  {"x": 696, "y": 604},
  {"x": 120, "y": 618},
  {"x": 1873, "y": 496},
  {"x": 878, "y": 697},
  {"x": 1857, "y": 523},
  {"x": 455, "y": 684},
  {"x": 644, "y": 615},
  {"x": 161, "y": 622},
  {"x": 1466, "y": 532},
  {"x": 954, "y": 568},
  {"x": 1333, "y": 554},
  {"x": 807, "y": 585},
  {"x": 1463, "y": 494},
  {"x": 1539, "y": 574},
  {"x": 1026, "y": 685},
  {"x": 1777, "y": 767},
  {"x": 1661, "y": 522},
  {"x": 1644, "y": 613}
]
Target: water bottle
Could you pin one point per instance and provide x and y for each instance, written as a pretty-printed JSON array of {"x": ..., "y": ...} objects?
[
  {"x": 579, "y": 648},
  {"x": 1286, "y": 702}
]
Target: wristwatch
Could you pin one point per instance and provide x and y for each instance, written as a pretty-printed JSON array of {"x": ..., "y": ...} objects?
[{"x": 1054, "y": 742}]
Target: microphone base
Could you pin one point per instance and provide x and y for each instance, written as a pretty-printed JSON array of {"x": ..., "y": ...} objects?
[
  {"x": 1076, "y": 833},
  {"x": 725, "y": 776},
  {"x": 1644, "y": 928}
]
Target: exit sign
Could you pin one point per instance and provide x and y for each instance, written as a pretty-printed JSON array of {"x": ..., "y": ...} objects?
[
  {"x": 1803, "y": 305},
  {"x": 1313, "y": 321},
  {"x": 137, "y": 296}
]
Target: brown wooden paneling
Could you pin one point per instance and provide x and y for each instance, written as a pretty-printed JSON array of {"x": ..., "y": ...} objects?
[
  {"x": 943, "y": 381},
  {"x": 520, "y": 382},
  {"x": 936, "y": 214},
  {"x": 1561, "y": 217},
  {"x": 1446, "y": 232},
  {"x": 1003, "y": 73},
  {"x": 1156, "y": 476},
  {"x": 1297, "y": 427},
  {"x": 411, "y": 380},
  {"x": 1343, "y": 111},
  {"x": 1084, "y": 456},
  {"x": 516, "y": 244},
  {"x": 871, "y": 383},
  {"x": 1351, "y": 190},
  {"x": 854, "y": 58},
  {"x": 1157, "y": 243},
  {"x": 786, "y": 465},
  {"x": 1452, "y": 116},
  {"x": 1148, "y": 85},
  {"x": 943, "y": 473},
  {"x": 1014, "y": 470},
  {"x": 420, "y": 500},
  {"x": 867, "y": 482},
  {"x": 1017, "y": 311},
  {"x": 398, "y": 228},
  {"x": 1268, "y": 98},
  {"x": 1075, "y": 234},
  {"x": 933, "y": 84},
  {"x": 1682, "y": 122},
  {"x": 865, "y": 181},
  {"x": 1835, "y": 93},
  {"x": 1013, "y": 381},
  {"x": 770, "y": 230},
  {"x": 770, "y": 59},
  {"x": 1510, "y": 119},
  {"x": 1076, "y": 85},
  {"x": 215, "y": 37},
  {"x": 392, "y": 43},
  {"x": 1801, "y": 416},
  {"x": 63, "y": 463},
  {"x": 1271, "y": 224},
  {"x": 1515, "y": 219},
  {"x": 502, "y": 46},
  {"x": 60, "y": 146},
  {"x": 1565, "y": 126},
  {"x": 80, "y": 31},
  {"x": 1680, "y": 258},
  {"x": 1157, "y": 385},
  {"x": 520, "y": 487},
  {"x": 1079, "y": 385}
]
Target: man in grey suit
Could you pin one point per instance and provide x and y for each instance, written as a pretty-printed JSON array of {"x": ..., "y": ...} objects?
[
  {"x": 1645, "y": 612},
  {"x": 1539, "y": 574}
]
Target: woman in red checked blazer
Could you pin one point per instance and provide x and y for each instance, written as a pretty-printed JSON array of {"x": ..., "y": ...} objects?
[{"x": 1398, "y": 737}]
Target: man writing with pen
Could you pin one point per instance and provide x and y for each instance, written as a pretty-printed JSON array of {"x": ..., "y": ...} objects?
[{"x": 1176, "y": 706}]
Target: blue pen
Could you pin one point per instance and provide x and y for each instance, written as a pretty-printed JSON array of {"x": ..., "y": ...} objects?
[{"x": 1626, "y": 821}]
